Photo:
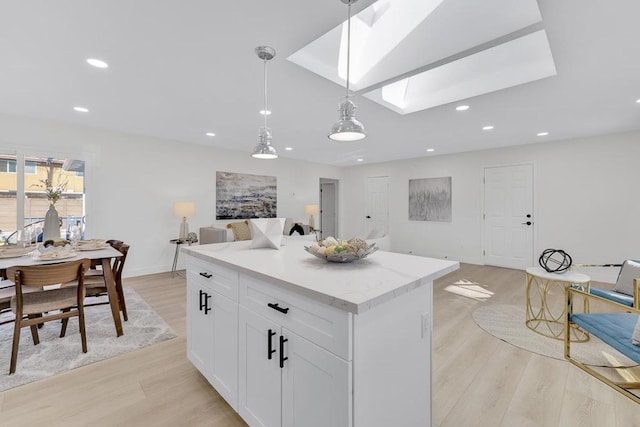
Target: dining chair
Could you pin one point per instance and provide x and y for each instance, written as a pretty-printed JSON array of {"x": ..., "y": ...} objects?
[
  {"x": 96, "y": 287},
  {"x": 40, "y": 305}
]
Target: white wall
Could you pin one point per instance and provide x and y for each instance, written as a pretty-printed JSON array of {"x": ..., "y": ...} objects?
[
  {"x": 585, "y": 199},
  {"x": 132, "y": 182}
]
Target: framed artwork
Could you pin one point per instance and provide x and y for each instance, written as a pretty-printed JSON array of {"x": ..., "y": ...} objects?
[
  {"x": 430, "y": 199},
  {"x": 243, "y": 196}
]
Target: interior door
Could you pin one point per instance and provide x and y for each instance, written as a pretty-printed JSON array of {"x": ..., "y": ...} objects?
[
  {"x": 377, "y": 205},
  {"x": 508, "y": 217},
  {"x": 328, "y": 209}
]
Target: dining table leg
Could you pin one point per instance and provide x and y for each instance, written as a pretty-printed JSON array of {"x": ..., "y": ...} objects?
[{"x": 110, "y": 283}]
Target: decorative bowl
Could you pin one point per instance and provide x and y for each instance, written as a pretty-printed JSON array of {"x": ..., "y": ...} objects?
[{"x": 344, "y": 256}]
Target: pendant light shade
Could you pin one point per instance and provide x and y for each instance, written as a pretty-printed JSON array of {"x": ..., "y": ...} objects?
[
  {"x": 264, "y": 149},
  {"x": 347, "y": 128}
]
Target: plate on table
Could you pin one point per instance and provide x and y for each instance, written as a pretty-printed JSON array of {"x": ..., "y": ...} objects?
[
  {"x": 55, "y": 256},
  {"x": 14, "y": 252}
]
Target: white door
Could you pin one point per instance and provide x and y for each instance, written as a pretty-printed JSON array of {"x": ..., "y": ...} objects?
[
  {"x": 260, "y": 393},
  {"x": 328, "y": 209},
  {"x": 224, "y": 372},
  {"x": 377, "y": 206},
  {"x": 508, "y": 216},
  {"x": 316, "y": 388}
]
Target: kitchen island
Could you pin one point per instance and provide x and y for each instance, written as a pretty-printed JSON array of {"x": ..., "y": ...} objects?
[{"x": 288, "y": 339}]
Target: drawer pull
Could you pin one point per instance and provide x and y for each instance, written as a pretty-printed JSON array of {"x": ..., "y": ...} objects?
[
  {"x": 270, "y": 350},
  {"x": 207, "y": 275},
  {"x": 282, "y": 358},
  {"x": 278, "y": 308}
]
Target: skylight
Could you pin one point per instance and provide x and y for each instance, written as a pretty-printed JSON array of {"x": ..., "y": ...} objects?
[{"x": 402, "y": 48}]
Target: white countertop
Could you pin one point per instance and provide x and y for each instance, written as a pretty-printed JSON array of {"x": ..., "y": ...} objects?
[{"x": 354, "y": 287}]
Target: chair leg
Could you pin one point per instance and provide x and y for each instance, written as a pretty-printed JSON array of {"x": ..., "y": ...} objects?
[
  {"x": 63, "y": 330},
  {"x": 123, "y": 305},
  {"x": 16, "y": 341},
  {"x": 34, "y": 329},
  {"x": 83, "y": 333}
]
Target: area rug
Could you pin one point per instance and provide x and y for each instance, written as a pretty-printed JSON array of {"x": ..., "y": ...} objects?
[
  {"x": 506, "y": 322},
  {"x": 55, "y": 355}
]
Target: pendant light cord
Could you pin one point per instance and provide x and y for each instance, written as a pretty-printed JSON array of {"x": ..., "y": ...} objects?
[
  {"x": 348, "y": 45},
  {"x": 265, "y": 93}
]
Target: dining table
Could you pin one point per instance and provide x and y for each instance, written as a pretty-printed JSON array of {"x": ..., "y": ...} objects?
[{"x": 102, "y": 255}]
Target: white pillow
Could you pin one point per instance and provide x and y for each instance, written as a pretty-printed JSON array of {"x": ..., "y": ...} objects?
[
  {"x": 635, "y": 339},
  {"x": 630, "y": 270},
  {"x": 266, "y": 233}
]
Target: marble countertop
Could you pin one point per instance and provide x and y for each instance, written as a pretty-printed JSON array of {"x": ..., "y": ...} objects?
[{"x": 354, "y": 287}]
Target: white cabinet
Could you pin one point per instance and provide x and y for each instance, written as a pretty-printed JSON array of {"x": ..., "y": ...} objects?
[
  {"x": 285, "y": 380},
  {"x": 212, "y": 329}
]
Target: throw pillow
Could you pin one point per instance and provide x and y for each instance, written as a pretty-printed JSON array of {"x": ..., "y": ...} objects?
[
  {"x": 267, "y": 233},
  {"x": 240, "y": 230},
  {"x": 630, "y": 270},
  {"x": 635, "y": 339}
]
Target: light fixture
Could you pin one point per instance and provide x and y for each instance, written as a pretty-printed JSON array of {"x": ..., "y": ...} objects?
[
  {"x": 311, "y": 210},
  {"x": 487, "y": 127},
  {"x": 264, "y": 149},
  {"x": 184, "y": 209},
  {"x": 462, "y": 108},
  {"x": 430, "y": 150},
  {"x": 212, "y": 134},
  {"x": 543, "y": 134},
  {"x": 359, "y": 160},
  {"x": 638, "y": 101},
  {"x": 81, "y": 109},
  {"x": 265, "y": 112},
  {"x": 98, "y": 63},
  {"x": 347, "y": 128},
  {"x": 288, "y": 148}
]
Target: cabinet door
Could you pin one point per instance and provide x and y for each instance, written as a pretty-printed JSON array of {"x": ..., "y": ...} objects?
[
  {"x": 259, "y": 377},
  {"x": 200, "y": 342},
  {"x": 224, "y": 363},
  {"x": 316, "y": 386}
]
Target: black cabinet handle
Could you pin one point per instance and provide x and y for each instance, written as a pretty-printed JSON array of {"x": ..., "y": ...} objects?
[
  {"x": 282, "y": 358},
  {"x": 278, "y": 308},
  {"x": 202, "y": 304},
  {"x": 270, "y": 349},
  {"x": 368, "y": 217},
  {"x": 207, "y": 307},
  {"x": 205, "y": 274}
]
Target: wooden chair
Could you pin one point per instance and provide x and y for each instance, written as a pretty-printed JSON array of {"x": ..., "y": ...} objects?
[
  {"x": 38, "y": 304},
  {"x": 94, "y": 280}
]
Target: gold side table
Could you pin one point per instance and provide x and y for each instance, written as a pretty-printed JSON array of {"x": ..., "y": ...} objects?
[{"x": 546, "y": 310}]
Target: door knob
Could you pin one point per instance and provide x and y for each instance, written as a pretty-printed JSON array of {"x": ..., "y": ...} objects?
[
  {"x": 368, "y": 217},
  {"x": 528, "y": 215},
  {"x": 527, "y": 223}
]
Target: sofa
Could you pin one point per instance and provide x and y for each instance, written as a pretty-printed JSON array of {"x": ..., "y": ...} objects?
[{"x": 224, "y": 232}]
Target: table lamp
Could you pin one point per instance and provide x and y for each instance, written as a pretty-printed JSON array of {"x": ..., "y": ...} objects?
[
  {"x": 184, "y": 209},
  {"x": 311, "y": 210}
]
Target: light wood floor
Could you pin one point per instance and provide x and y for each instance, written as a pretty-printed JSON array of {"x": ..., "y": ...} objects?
[{"x": 477, "y": 379}]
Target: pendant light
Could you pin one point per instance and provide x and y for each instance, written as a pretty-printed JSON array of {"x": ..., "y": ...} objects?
[
  {"x": 347, "y": 128},
  {"x": 264, "y": 149}
]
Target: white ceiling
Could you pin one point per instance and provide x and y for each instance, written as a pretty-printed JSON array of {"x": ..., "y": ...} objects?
[{"x": 181, "y": 68}]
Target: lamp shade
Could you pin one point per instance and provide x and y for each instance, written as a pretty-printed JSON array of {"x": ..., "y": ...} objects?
[
  {"x": 184, "y": 209},
  {"x": 311, "y": 209}
]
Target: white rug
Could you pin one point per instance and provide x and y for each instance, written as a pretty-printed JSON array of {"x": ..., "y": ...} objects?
[
  {"x": 54, "y": 354},
  {"x": 506, "y": 322}
]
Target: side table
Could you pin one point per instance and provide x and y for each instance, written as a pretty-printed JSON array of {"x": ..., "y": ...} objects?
[
  {"x": 177, "y": 242},
  {"x": 546, "y": 316}
]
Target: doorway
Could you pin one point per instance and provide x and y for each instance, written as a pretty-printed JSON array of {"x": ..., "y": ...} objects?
[
  {"x": 376, "y": 221},
  {"x": 508, "y": 216},
  {"x": 328, "y": 207}
]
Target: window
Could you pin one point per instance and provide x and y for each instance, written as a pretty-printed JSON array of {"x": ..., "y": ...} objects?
[
  {"x": 30, "y": 168},
  {"x": 8, "y": 165}
]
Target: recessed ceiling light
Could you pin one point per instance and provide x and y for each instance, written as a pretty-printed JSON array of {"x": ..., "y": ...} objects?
[
  {"x": 210, "y": 134},
  {"x": 98, "y": 63},
  {"x": 487, "y": 127},
  {"x": 81, "y": 109},
  {"x": 543, "y": 134},
  {"x": 268, "y": 112},
  {"x": 462, "y": 107},
  {"x": 288, "y": 148},
  {"x": 638, "y": 101},
  {"x": 430, "y": 150},
  {"x": 359, "y": 160}
]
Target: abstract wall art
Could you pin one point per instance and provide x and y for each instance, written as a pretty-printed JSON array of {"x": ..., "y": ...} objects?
[
  {"x": 243, "y": 196},
  {"x": 430, "y": 199}
]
